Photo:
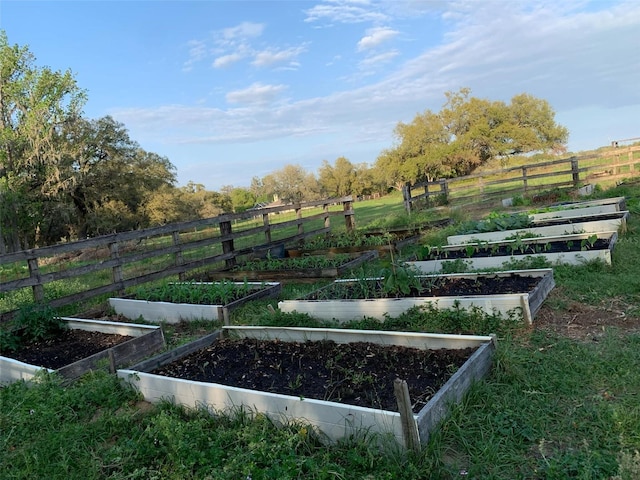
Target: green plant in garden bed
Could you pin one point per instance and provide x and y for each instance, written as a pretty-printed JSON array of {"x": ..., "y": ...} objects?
[
  {"x": 397, "y": 220},
  {"x": 496, "y": 221},
  {"x": 33, "y": 323},
  {"x": 216, "y": 293},
  {"x": 356, "y": 239},
  {"x": 296, "y": 263}
]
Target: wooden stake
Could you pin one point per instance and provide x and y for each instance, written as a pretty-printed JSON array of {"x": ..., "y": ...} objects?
[
  {"x": 409, "y": 426},
  {"x": 112, "y": 361}
]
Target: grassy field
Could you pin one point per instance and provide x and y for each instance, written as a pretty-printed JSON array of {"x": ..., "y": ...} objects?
[{"x": 562, "y": 401}]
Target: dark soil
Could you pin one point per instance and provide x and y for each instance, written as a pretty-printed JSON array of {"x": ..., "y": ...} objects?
[
  {"x": 524, "y": 249},
  {"x": 65, "y": 348},
  {"x": 431, "y": 288},
  {"x": 359, "y": 374}
]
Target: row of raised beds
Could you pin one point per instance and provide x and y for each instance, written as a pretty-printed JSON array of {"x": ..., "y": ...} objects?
[{"x": 391, "y": 294}]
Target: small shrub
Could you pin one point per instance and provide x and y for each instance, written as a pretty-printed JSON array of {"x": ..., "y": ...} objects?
[
  {"x": 496, "y": 222},
  {"x": 37, "y": 322}
]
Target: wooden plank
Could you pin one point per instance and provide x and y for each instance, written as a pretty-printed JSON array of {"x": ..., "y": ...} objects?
[{"x": 409, "y": 426}]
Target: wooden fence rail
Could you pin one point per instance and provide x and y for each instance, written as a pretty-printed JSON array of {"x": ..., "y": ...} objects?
[
  {"x": 126, "y": 259},
  {"x": 610, "y": 165}
]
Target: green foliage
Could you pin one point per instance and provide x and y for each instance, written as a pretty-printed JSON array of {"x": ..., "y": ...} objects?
[
  {"x": 215, "y": 293},
  {"x": 467, "y": 133},
  {"x": 459, "y": 265},
  {"x": 343, "y": 240},
  {"x": 526, "y": 263},
  {"x": 37, "y": 322},
  {"x": 455, "y": 320},
  {"x": 495, "y": 222},
  {"x": 295, "y": 263},
  {"x": 9, "y": 341},
  {"x": 400, "y": 279}
]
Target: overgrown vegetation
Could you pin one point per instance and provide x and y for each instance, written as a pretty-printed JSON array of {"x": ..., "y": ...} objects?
[
  {"x": 295, "y": 263},
  {"x": 32, "y": 323},
  {"x": 494, "y": 222},
  {"x": 214, "y": 293}
]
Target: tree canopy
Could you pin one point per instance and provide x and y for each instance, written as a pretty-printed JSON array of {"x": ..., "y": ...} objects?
[
  {"x": 466, "y": 133},
  {"x": 62, "y": 175}
]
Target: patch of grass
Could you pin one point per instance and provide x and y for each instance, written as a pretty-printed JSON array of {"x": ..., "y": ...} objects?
[
  {"x": 553, "y": 408},
  {"x": 596, "y": 283},
  {"x": 97, "y": 429}
]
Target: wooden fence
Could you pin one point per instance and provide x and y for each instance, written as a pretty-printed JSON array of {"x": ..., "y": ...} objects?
[
  {"x": 121, "y": 260},
  {"x": 488, "y": 187}
]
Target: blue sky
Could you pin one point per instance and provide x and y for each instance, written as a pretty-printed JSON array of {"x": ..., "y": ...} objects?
[{"x": 229, "y": 90}]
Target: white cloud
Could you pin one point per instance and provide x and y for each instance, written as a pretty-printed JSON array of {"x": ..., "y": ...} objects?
[
  {"x": 226, "y": 60},
  {"x": 256, "y": 94},
  {"x": 375, "y": 37},
  {"x": 379, "y": 59},
  {"x": 197, "y": 52},
  {"x": 269, "y": 57},
  {"x": 244, "y": 30},
  {"x": 345, "y": 11}
]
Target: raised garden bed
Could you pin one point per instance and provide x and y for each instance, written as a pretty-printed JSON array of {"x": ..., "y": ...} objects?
[
  {"x": 620, "y": 203},
  {"x": 562, "y": 212},
  {"x": 623, "y": 215},
  {"x": 382, "y": 241},
  {"x": 502, "y": 292},
  {"x": 173, "y": 311},
  {"x": 83, "y": 347},
  {"x": 366, "y": 367},
  {"x": 565, "y": 249},
  {"x": 301, "y": 269},
  {"x": 595, "y": 226}
]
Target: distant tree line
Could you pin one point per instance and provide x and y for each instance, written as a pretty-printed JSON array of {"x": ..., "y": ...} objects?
[{"x": 64, "y": 177}]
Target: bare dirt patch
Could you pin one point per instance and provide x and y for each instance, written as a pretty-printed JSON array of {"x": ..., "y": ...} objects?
[{"x": 580, "y": 321}]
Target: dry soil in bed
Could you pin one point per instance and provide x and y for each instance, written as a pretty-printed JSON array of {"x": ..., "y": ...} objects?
[
  {"x": 432, "y": 287},
  {"x": 65, "y": 348},
  {"x": 355, "y": 373}
]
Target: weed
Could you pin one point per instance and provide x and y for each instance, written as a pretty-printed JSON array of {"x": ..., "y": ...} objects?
[{"x": 36, "y": 322}]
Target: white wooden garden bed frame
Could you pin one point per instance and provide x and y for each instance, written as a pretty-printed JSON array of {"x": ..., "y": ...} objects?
[
  {"x": 505, "y": 304},
  {"x": 334, "y": 420},
  {"x": 555, "y": 258},
  {"x": 595, "y": 226},
  {"x": 175, "y": 312},
  {"x": 148, "y": 340}
]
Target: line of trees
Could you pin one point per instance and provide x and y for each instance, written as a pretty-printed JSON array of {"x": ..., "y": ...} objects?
[{"x": 63, "y": 176}]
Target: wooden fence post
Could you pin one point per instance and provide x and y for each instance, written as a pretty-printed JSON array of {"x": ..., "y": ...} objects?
[
  {"x": 524, "y": 179},
  {"x": 116, "y": 271},
  {"x": 575, "y": 171},
  {"x": 444, "y": 190},
  {"x": 179, "y": 258},
  {"x": 325, "y": 210},
  {"x": 267, "y": 227},
  {"x": 227, "y": 245},
  {"x": 34, "y": 272},
  {"x": 406, "y": 196},
  {"x": 298, "y": 210},
  {"x": 409, "y": 427},
  {"x": 347, "y": 208}
]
